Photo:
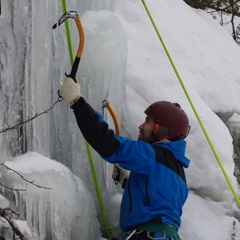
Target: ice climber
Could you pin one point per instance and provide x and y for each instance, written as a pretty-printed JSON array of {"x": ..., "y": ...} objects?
[{"x": 156, "y": 189}]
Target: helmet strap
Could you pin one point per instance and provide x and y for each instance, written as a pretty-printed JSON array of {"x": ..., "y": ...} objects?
[{"x": 156, "y": 129}]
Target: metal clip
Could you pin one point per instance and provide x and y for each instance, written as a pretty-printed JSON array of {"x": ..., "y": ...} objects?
[
  {"x": 105, "y": 103},
  {"x": 157, "y": 238},
  {"x": 131, "y": 234}
]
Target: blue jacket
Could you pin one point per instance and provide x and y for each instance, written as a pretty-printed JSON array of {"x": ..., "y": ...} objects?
[{"x": 156, "y": 190}]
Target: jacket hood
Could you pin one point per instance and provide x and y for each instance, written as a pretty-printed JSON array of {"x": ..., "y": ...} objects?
[{"x": 178, "y": 149}]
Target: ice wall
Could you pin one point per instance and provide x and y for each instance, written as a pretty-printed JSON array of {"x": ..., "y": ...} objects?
[
  {"x": 33, "y": 63},
  {"x": 34, "y": 59},
  {"x": 55, "y": 203}
]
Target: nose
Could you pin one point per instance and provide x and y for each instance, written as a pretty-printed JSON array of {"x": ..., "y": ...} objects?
[{"x": 141, "y": 126}]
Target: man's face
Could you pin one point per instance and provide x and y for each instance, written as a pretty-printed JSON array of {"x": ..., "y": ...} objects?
[{"x": 145, "y": 129}]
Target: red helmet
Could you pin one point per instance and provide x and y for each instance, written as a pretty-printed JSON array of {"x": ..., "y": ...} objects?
[{"x": 171, "y": 122}]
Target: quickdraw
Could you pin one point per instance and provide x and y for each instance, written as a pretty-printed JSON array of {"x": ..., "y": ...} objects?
[{"x": 74, "y": 15}]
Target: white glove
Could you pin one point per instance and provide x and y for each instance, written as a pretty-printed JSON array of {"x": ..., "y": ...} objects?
[
  {"x": 70, "y": 91},
  {"x": 120, "y": 175}
]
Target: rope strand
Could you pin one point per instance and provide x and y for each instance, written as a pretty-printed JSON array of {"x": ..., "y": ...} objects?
[
  {"x": 30, "y": 119},
  {"x": 193, "y": 107}
]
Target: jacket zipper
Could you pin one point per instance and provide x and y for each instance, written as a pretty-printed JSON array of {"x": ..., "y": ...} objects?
[
  {"x": 130, "y": 199},
  {"x": 130, "y": 196},
  {"x": 147, "y": 195}
]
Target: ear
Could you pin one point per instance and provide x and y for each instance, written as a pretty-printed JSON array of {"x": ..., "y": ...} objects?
[{"x": 160, "y": 132}]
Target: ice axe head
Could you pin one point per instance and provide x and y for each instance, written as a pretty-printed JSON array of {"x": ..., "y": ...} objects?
[{"x": 64, "y": 17}]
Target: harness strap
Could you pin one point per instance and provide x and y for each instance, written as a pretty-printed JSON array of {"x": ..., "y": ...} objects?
[{"x": 167, "y": 229}]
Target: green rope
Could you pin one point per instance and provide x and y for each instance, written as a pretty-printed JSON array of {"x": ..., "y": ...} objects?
[
  {"x": 193, "y": 108},
  {"x": 68, "y": 33},
  {"x": 90, "y": 157},
  {"x": 98, "y": 192}
]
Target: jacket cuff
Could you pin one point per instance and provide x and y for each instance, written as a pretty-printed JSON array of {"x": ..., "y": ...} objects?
[{"x": 79, "y": 103}]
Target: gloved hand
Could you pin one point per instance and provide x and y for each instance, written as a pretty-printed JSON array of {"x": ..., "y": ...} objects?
[
  {"x": 70, "y": 91},
  {"x": 120, "y": 175}
]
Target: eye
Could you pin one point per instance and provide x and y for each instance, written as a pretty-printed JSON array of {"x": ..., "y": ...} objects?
[{"x": 147, "y": 120}]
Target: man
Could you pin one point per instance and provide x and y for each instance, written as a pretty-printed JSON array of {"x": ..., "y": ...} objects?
[{"x": 156, "y": 189}]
